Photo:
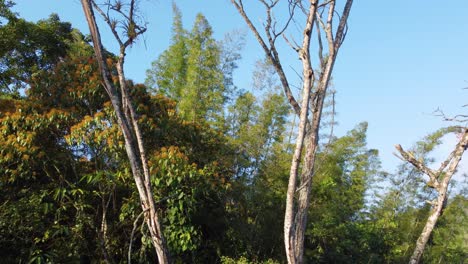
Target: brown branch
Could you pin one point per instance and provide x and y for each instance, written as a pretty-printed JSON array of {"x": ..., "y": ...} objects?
[{"x": 409, "y": 157}]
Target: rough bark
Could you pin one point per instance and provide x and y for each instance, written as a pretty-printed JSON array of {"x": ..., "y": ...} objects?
[
  {"x": 439, "y": 180},
  {"x": 310, "y": 110},
  {"x": 128, "y": 123},
  {"x": 292, "y": 236}
]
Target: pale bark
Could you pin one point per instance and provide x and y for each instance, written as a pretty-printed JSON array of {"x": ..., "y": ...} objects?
[
  {"x": 310, "y": 110},
  {"x": 292, "y": 238},
  {"x": 128, "y": 123},
  {"x": 439, "y": 180}
]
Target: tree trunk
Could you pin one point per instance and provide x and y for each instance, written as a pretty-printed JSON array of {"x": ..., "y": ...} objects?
[
  {"x": 439, "y": 180},
  {"x": 430, "y": 224},
  {"x": 134, "y": 146},
  {"x": 295, "y": 216}
]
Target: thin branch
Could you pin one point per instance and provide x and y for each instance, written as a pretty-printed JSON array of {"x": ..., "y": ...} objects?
[
  {"x": 324, "y": 4},
  {"x": 131, "y": 237},
  {"x": 291, "y": 15},
  {"x": 461, "y": 118},
  {"x": 108, "y": 21},
  {"x": 298, "y": 75},
  {"x": 294, "y": 46},
  {"x": 272, "y": 55},
  {"x": 135, "y": 226}
]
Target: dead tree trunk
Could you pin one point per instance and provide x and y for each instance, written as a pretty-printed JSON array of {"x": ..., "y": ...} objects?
[
  {"x": 313, "y": 96},
  {"x": 439, "y": 180},
  {"x": 128, "y": 121}
]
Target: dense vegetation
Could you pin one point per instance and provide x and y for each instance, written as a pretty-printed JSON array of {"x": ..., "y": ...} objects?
[{"x": 219, "y": 158}]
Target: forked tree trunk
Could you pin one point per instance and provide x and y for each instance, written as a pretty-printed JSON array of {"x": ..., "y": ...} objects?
[
  {"x": 310, "y": 109},
  {"x": 127, "y": 121},
  {"x": 439, "y": 180}
]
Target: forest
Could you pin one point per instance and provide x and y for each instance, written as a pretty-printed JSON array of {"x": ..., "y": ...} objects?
[{"x": 189, "y": 168}]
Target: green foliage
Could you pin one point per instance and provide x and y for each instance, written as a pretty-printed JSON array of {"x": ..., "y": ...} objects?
[
  {"x": 169, "y": 72},
  {"x": 195, "y": 71},
  {"x": 335, "y": 233},
  {"x": 204, "y": 92},
  {"x": 5, "y": 11},
  {"x": 449, "y": 243},
  {"x": 243, "y": 260},
  {"x": 26, "y": 48}
]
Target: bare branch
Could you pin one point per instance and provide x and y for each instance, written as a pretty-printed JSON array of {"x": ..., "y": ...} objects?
[
  {"x": 272, "y": 54},
  {"x": 131, "y": 237},
  {"x": 324, "y": 4},
  {"x": 132, "y": 28},
  {"x": 320, "y": 44},
  {"x": 329, "y": 29},
  {"x": 292, "y": 7},
  {"x": 456, "y": 155},
  {"x": 110, "y": 23},
  {"x": 461, "y": 118},
  {"x": 294, "y": 46},
  {"x": 342, "y": 27},
  {"x": 409, "y": 157}
]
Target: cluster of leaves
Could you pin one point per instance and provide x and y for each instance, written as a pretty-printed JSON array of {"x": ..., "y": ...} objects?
[{"x": 27, "y": 48}]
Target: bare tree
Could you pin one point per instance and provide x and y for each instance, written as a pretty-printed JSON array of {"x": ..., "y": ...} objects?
[
  {"x": 127, "y": 117},
  {"x": 320, "y": 14},
  {"x": 439, "y": 180}
]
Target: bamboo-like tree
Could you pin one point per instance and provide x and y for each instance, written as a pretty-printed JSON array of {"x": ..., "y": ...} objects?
[
  {"x": 191, "y": 72},
  {"x": 126, "y": 114},
  {"x": 438, "y": 180},
  {"x": 315, "y": 81}
]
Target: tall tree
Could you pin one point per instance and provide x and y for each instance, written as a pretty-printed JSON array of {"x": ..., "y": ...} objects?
[
  {"x": 203, "y": 97},
  {"x": 168, "y": 73},
  {"x": 125, "y": 111},
  {"x": 438, "y": 180},
  {"x": 310, "y": 109},
  {"x": 196, "y": 71}
]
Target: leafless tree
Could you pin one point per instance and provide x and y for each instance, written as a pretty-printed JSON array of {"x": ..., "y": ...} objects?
[
  {"x": 127, "y": 117},
  {"x": 439, "y": 180},
  {"x": 315, "y": 81}
]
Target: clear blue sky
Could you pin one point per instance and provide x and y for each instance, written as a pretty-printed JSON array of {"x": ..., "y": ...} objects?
[{"x": 401, "y": 60}]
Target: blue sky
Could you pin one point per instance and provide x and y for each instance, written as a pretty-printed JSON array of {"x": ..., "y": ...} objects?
[{"x": 400, "y": 61}]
